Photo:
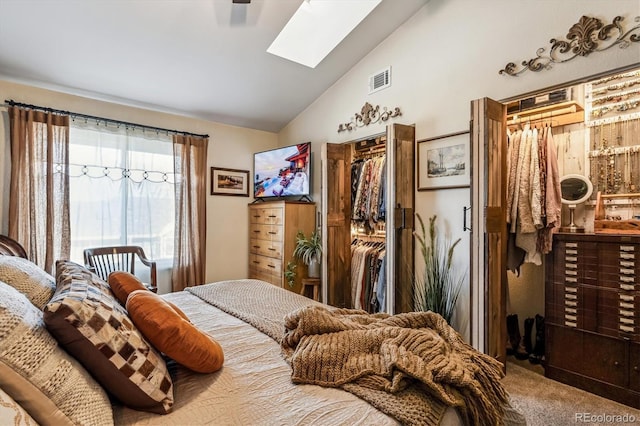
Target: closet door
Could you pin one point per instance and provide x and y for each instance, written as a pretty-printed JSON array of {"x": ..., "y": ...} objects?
[
  {"x": 336, "y": 208},
  {"x": 489, "y": 227},
  {"x": 336, "y": 232},
  {"x": 400, "y": 241}
]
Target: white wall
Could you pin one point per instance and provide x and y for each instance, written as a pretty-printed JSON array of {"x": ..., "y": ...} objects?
[
  {"x": 446, "y": 55},
  {"x": 232, "y": 147}
]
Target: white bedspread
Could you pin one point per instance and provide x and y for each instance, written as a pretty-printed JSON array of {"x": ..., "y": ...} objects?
[{"x": 253, "y": 387}]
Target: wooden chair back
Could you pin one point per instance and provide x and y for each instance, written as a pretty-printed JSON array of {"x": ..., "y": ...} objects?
[
  {"x": 105, "y": 260},
  {"x": 10, "y": 247}
]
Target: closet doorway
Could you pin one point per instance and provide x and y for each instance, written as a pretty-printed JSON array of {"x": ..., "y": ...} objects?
[
  {"x": 388, "y": 236},
  {"x": 488, "y": 258}
]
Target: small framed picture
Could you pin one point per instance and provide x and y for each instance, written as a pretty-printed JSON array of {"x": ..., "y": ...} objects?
[
  {"x": 444, "y": 162},
  {"x": 229, "y": 182}
]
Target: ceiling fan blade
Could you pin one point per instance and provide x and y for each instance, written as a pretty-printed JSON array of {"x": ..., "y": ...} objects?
[{"x": 242, "y": 1}]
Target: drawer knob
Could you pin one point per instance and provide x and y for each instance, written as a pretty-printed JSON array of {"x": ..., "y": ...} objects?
[
  {"x": 616, "y": 363},
  {"x": 636, "y": 369}
]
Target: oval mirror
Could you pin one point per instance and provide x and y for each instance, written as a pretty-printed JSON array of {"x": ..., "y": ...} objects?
[{"x": 575, "y": 189}]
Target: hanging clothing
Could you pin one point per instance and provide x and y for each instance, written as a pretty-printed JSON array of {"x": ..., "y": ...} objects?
[
  {"x": 367, "y": 208},
  {"x": 553, "y": 195},
  {"x": 367, "y": 260},
  {"x": 533, "y": 200}
]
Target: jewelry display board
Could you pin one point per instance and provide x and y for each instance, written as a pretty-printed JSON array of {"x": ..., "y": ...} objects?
[{"x": 612, "y": 114}]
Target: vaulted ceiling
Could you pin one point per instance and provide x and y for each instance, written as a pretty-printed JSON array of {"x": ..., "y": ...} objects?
[{"x": 199, "y": 58}]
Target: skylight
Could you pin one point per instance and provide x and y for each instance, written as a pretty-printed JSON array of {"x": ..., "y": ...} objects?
[{"x": 317, "y": 27}]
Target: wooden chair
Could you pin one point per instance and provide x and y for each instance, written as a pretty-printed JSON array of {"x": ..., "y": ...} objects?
[
  {"x": 104, "y": 260},
  {"x": 10, "y": 247}
]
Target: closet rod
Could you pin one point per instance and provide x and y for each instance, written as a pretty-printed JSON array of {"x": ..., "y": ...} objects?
[
  {"x": 106, "y": 120},
  {"x": 369, "y": 237}
]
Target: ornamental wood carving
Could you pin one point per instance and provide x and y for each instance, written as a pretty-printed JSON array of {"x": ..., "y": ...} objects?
[
  {"x": 586, "y": 36},
  {"x": 369, "y": 114}
]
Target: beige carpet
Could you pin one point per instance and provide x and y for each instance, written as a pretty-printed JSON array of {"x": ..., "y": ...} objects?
[{"x": 546, "y": 402}]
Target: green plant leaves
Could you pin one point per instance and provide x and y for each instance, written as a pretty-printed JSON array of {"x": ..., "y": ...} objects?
[{"x": 438, "y": 287}]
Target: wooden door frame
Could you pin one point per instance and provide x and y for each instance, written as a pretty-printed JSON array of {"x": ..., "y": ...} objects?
[
  {"x": 489, "y": 228},
  {"x": 397, "y": 135}
]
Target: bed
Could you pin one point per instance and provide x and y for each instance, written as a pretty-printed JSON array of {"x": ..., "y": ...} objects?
[{"x": 254, "y": 386}]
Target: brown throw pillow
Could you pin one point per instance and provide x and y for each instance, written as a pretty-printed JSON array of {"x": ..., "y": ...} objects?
[
  {"x": 93, "y": 327},
  {"x": 123, "y": 283},
  {"x": 171, "y": 334}
]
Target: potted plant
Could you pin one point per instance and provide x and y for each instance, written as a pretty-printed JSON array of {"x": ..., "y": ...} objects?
[
  {"x": 438, "y": 287},
  {"x": 309, "y": 250},
  {"x": 290, "y": 273}
]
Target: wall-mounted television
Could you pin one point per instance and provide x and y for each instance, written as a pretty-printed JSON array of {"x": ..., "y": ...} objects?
[{"x": 283, "y": 172}]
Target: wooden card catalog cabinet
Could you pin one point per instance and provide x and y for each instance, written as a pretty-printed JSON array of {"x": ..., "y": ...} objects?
[{"x": 592, "y": 304}]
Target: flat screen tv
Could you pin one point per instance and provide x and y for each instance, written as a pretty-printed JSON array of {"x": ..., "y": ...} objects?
[{"x": 282, "y": 172}]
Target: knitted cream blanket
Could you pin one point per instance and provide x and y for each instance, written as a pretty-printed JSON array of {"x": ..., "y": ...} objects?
[
  {"x": 409, "y": 366},
  {"x": 397, "y": 363}
]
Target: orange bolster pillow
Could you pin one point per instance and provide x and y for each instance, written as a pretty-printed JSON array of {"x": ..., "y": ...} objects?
[
  {"x": 124, "y": 283},
  {"x": 172, "y": 334}
]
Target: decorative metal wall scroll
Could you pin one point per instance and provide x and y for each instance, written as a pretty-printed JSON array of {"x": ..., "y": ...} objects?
[
  {"x": 369, "y": 114},
  {"x": 584, "y": 37}
]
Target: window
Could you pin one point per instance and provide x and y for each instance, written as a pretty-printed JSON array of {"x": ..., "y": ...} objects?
[{"x": 121, "y": 186}]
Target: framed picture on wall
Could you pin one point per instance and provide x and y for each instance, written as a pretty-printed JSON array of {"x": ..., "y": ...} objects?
[
  {"x": 444, "y": 162},
  {"x": 229, "y": 182}
]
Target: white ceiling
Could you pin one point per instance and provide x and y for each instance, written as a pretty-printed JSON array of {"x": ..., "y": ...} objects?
[{"x": 199, "y": 58}]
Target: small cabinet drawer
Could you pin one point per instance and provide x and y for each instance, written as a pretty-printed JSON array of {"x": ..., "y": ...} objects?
[
  {"x": 266, "y": 232},
  {"x": 266, "y": 216},
  {"x": 259, "y": 274},
  {"x": 266, "y": 248},
  {"x": 273, "y": 266}
]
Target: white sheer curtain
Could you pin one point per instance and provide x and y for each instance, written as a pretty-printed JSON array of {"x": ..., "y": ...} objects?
[{"x": 121, "y": 185}]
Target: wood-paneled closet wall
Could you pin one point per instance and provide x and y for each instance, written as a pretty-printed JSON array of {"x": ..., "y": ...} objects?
[{"x": 393, "y": 235}]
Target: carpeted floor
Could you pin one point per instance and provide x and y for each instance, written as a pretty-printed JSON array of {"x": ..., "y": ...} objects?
[{"x": 546, "y": 402}]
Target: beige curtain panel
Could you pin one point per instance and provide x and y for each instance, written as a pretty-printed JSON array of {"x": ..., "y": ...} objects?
[
  {"x": 190, "y": 166},
  {"x": 39, "y": 192}
]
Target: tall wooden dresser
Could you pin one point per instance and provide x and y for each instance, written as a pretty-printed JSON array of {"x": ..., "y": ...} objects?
[
  {"x": 273, "y": 226},
  {"x": 592, "y": 314}
]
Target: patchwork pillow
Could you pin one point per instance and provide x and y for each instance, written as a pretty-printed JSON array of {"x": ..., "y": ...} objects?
[
  {"x": 93, "y": 327},
  {"x": 28, "y": 278},
  {"x": 66, "y": 271},
  {"x": 39, "y": 375},
  {"x": 123, "y": 283},
  {"x": 172, "y": 334}
]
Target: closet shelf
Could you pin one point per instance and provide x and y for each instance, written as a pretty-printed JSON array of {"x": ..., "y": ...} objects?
[{"x": 559, "y": 114}]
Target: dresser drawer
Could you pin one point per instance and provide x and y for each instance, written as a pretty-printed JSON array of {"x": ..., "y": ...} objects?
[
  {"x": 266, "y": 232},
  {"x": 266, "y": 248},
  {"x": 264, "y": 263},
  {"x": 262, "y": 275},
  {"x": 266, "y": 216}
]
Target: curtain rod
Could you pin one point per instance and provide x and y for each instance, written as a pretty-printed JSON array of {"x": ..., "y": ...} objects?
[{"x": 107, "y": 120}]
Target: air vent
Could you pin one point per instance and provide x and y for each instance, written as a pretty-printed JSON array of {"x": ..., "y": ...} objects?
[{"x": 380, "y": 80}]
